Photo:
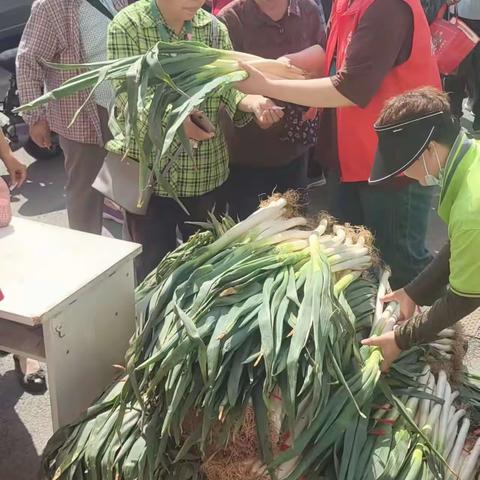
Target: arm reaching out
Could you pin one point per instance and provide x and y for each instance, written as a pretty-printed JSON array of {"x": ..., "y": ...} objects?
[{"x": 318, "y": 93}]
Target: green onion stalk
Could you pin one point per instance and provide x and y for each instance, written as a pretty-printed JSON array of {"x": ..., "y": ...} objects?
[
  {"x": 166, "y": 84},
  {"x": 262, "y": 316}
]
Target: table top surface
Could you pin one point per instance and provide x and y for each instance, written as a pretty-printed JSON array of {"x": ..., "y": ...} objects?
[{"x": 42, "y": 266}]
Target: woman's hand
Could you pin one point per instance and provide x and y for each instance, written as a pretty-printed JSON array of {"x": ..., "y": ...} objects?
[
  {"x": 407, "y": 305},
  {"x": 16, "y": 170},
  {"x": 40, "y": 133},
  {"x": 387, "y": 345},
  {"x": 196, "y": 133},
  {"x": 266, "y": 111},
  {"x": 255, "y": 84}
]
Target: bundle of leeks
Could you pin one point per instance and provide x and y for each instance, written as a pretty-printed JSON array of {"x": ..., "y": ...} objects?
[{"x": 263, "y": 315}]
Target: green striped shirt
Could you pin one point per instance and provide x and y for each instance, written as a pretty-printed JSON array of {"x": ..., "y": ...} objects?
[{"x": 134, "y": 32}]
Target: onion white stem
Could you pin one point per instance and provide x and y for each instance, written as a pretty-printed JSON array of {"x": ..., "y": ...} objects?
[
  {"x": 447, "y": 333},
  {"x": 454, "y": 458},
  {"x": 470, "y": 464},
  {"x": 441, "y": 347},
  {"x": 452, "y": 432},
  {"x": 289, "y": 235},
  {"x": 442, "y": 424},
  {"x": 425, "y": 403},
  {"x": 282, "y": 226},
  {"x": 382, "y": 290},
  {"x": 322, "y": 227},
  {"x": 361, "y": 263}
]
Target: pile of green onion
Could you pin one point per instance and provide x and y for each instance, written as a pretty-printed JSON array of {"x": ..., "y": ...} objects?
[{"x": 267, "y": 315}]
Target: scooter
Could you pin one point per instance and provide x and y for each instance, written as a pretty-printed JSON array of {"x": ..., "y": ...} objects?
[{"x": 12, "y": 124}]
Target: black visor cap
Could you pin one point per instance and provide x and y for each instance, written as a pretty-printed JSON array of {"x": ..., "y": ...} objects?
[{"x": 401, "y": 144}]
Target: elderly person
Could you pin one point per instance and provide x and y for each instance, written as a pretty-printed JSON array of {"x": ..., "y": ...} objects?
[
  {"x": 376, "y": 49},
  {"x": 264, "y": 161},
  {"x": 69, "y": 31},
  {"x": 419, "y": 136},
  {"x": 198, "y": 183}
]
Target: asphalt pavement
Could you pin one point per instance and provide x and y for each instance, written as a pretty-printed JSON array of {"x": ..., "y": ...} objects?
[{"x": 25, "y": 424}]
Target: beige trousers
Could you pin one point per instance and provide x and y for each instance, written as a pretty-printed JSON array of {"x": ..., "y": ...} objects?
[{"x": 82, "y": 164}]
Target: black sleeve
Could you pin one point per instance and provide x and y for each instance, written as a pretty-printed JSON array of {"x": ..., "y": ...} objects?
[
  {"x": 430, "y": 285},
  {"x": 384, "y": 33},
  {"x": 445, "y": 312}
]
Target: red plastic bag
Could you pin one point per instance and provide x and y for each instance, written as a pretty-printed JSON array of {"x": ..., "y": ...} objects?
[{"x": 452, "y": 41}]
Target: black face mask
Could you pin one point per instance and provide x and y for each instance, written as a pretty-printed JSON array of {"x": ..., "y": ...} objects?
[{"x": 401, "y": 144}]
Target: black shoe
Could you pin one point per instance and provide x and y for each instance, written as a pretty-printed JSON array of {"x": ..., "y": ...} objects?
[
  {"x": 476, "y": 124},
  {"x": 33, "y": 382}
]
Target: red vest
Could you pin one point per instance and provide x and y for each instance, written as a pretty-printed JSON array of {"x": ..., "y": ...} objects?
[{"x": 357, "y": 141}]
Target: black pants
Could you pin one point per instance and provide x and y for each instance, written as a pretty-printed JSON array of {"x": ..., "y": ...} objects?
[
  {"x": 397, "y": 216},
  {"x": 247, "y": 186},
  {"x": 157, "y": 230},
  {"x": 466, "y": 82}
]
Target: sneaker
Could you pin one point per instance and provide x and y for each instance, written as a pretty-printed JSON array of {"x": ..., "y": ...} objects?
[{"x": 113, "y": 214}]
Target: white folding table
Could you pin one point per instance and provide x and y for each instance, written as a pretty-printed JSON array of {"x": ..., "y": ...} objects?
[{"x": 68, "y": 301}]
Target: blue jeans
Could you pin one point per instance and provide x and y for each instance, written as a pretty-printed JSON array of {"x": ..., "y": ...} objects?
[{"x": 398, "y": 217}]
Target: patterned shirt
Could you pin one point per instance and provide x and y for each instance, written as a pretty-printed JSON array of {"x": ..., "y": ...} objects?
[
  {"x": 134, "y": 31},
  {"x": 53, "y": 34},
  {"x": 93, "y": 31}
]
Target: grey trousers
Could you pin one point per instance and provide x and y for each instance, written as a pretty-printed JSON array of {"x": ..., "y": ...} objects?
[{"x": 82, "y": 164}]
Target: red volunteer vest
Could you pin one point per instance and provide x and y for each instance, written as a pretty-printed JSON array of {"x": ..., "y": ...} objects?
[{"x": 357, "y": 141}]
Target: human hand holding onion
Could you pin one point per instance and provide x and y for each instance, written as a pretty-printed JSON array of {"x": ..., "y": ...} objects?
[
  {"x": 255, "y": 84},
  {"x": 387, "y": 342},
  {"x": 407, "y": 305},
  {"x": 388, "y": 346}
]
